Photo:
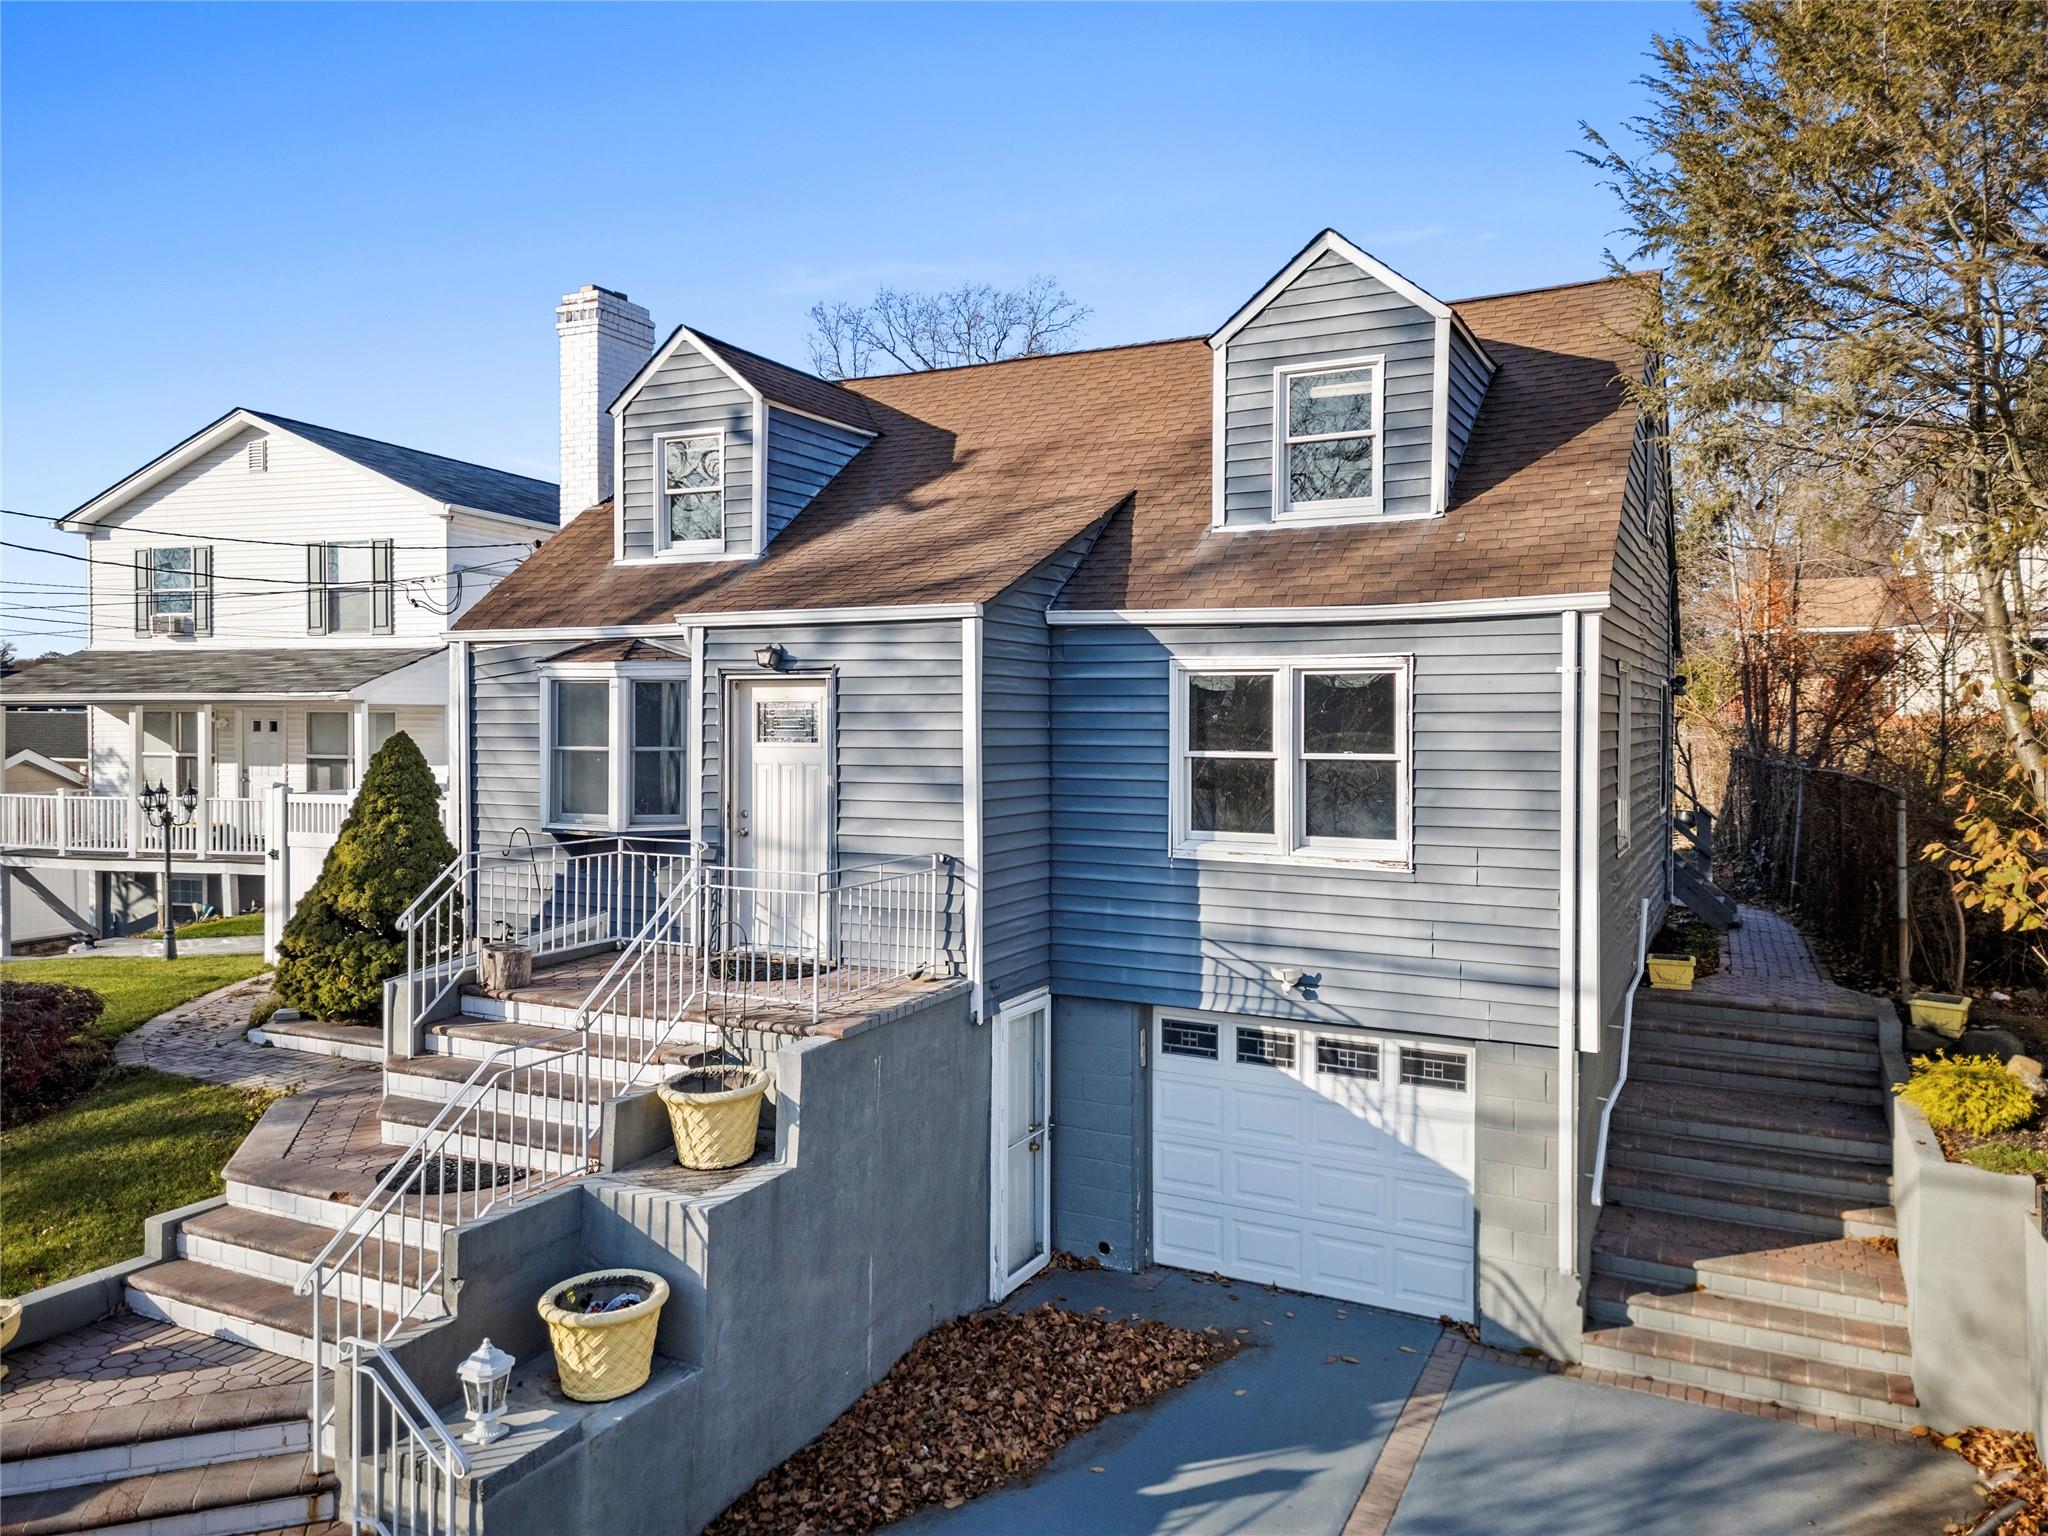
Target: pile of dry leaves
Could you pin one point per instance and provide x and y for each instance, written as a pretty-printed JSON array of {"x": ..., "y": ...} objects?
[
  {"x": 2009, "y": 1476},
  {"x": 976, "y": 1402}
]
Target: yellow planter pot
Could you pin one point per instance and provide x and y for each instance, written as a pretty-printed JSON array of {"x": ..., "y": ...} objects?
[
  {"x": 716, "y": 1127},
  {"x": 1672, "y": 973},
  {"x": 10, "y": 1324},
  {"x": 603, "y": 1355},
  {"x": 1943, "y": 1012}
]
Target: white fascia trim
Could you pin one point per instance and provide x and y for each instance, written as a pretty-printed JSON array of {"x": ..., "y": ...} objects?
[
  {"x": 452, "y": 510},
  {"x": 680, "y": 336},
  {"x": 165, "y": 464},
  {"x": 693, "y": 734},
  {"x": 1456, "y": 608},
  {"x": 1567, "y": 940},
  {"x": 879, "y": 614},
  {"x": 970, "y": 803},
  {"x": 1591, "y": 834},
  {"x": 35, "y": 759},
  {"x": 759, "y": 467},
  {"x": 1439, "y": 420},
  {"x": 1329, "y": 240}
]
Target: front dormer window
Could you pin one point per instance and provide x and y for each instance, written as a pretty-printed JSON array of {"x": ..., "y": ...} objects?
[
  {"x": 692, "y": 491},
  {"x": 1329, "y": 450}
]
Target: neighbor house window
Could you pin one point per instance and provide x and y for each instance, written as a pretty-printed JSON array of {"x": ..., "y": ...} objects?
[
  {"x": 349, "y": 588},
  {"x": 692, "y": 490},
  {"x": 327, "y": 752},
  {"x": 383, "y": 726},
  {"x": 1303, "y": 760},
  {"x": 174, "y": 582},
  {"x": 1327, "y": 447},
  {"x": 617, "y": 744},
  {"x": 170, "y": 749}
]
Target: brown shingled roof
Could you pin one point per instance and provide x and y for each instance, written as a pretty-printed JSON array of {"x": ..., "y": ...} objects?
[
  {"x": 783, "y": 385},
  {"x": 981, "y": 473}
]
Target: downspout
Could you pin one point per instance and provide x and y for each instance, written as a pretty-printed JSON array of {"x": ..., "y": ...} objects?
[
  {"x": 1628, "y": 1020},
  {"x": 970, "y": 806},
  {"x": 1567, "y": 939},
  {"x": 457, "y": 751},
  {"x": 1590, "y": 834}
]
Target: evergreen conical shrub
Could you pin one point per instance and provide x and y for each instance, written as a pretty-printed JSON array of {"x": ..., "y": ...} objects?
[{"x": 343, "y": 940}]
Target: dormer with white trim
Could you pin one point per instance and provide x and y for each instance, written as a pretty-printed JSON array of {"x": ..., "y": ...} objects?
[
  {"x": 1343, "y": 394},
  {"x": 718, "y": 449}
]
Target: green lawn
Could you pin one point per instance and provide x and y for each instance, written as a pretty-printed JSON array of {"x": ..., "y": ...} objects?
[
  {"x": 75, "y": 1187},
  {"x": 137, "y": 987},
  {"x": 248, "y": 925}
]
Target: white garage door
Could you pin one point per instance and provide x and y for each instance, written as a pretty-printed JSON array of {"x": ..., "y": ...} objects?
[{"x": 1337, "y": 1163}]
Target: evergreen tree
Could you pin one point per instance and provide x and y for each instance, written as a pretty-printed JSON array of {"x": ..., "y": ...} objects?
[{"x": 343, "y": 942}]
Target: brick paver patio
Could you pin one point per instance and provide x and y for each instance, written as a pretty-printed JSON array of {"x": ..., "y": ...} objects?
[
  {"x": 204, "y": 1040},
  {"x": 127, "y": 1360},
  {"x": 1767, "y": 962}
]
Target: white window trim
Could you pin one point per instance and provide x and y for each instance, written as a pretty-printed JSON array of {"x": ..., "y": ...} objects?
[
  {"x": 1343, "y": 510},
  {"x": 1289, "y": 843},
  {"x": 189, "y": 592},
  {"x": 664, "y": 545},
  {"x": 619, "y": 676}
]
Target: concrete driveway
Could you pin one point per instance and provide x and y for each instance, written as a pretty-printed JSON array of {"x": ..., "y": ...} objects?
[{"x": 1279, "y": 1443}]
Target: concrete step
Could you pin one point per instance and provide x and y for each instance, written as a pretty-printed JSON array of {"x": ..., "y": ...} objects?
[
  {"x": 73, "y": 1450},
  {"x": 1852, "y": 1021},
  {"x": 1859, "y": 1181},
  {"x": 348, "y": 1042},
  {"x": 1768, "y": 1120},
  {"x": 1739, "y": 1200},
  {"x": 612, "y": 1059},
  {"x": 223, "y": 1304},
  {"x": 261, "y": 1494},
  {"x": 508, "y": 1142},
  {"x": 1757, "y": 1075},
  {"x": 1762, "y": 1375},
  {"x": 386, "y": 1276},
  {"x": 1746, "y": 1041},
  {"x": 1845, "y": 1276},
  {"x": 543, "y": 1091},
  {"x": 1612, "y": 1301}
]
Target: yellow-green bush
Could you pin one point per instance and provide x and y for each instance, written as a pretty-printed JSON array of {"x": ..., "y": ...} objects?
[{"x": 1967, "y": 1093}]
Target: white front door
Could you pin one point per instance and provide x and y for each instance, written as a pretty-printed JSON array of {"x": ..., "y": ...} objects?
[
  {"x": 1021, "y": 1219},
  {"x": 779, "y": 826},
  {"x": 1323, "y": 1160},
  {"x": 262, "y": 752}
]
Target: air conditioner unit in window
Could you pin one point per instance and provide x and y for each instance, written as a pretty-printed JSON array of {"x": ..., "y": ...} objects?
[{"x": 178, "y": 626}]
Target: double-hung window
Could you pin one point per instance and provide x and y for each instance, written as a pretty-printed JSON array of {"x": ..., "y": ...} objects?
[
  {"x": 1304, "y": 760},
  {"x": 692, "y": 496},
  {"x": 170, "y": 749},
  {"x": 1327, "y": 442},
  {"x": 327, "y": 751},
  {"x": 616, "y": 749},
  {"x": 349, "y": 588},
  {"x": 174, "y": 582}
]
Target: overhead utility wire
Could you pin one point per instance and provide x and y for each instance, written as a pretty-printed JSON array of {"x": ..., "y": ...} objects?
[{"x": 225, "y": 538}]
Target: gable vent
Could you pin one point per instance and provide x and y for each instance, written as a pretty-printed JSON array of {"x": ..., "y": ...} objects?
[{"x": 259, "y": 456}]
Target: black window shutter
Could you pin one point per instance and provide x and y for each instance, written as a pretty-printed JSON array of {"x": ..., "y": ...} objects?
[
  {"x": 380, "y": 597},
  {"x": 145, "y": 562},
  {"x": 202, "y": 590},
  {"x": 316, "y": 589}
]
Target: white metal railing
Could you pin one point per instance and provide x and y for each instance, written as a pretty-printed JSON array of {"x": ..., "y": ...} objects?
[
  {"x": 95, "y": 823},
  {"x": 401, "y": 1470},
  {"x": 1628, "y": 1019},
  {"x": 234, "y": 826}
]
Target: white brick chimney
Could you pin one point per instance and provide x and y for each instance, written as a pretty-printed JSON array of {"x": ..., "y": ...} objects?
[{"x": 605, "y": 339}]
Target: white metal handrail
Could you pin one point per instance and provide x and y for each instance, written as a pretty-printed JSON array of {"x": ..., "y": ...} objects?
[
  {"x": 401, "y": 1469},
  {"x": 1628, "y": 1019}
]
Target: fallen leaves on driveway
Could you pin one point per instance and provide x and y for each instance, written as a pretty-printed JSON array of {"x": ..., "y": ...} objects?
[
  {"x": 976, "y": 1403},
  {"x": 2009, "y": 1473}
]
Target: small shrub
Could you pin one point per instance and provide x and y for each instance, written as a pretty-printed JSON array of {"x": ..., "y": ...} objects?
[
  {"x": 1999, "y": 1157},
  {"x": 265, "y": 1007},
  {"x": 1967, "y": 1093},
  {"x": 49, "y": 1052}
]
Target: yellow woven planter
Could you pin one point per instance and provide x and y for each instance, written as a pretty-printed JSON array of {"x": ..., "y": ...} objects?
[
  {"x": 603, "y": 1355},
  {"x": 10, "y": 1325},
  {"x": 1943, "y": 1012},
  {"x": 715, "y": 1129},
  {"x": 1672, "y": 973}
]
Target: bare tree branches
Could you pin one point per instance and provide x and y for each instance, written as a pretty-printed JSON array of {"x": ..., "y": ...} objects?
[{"x": 913, "y": 331}]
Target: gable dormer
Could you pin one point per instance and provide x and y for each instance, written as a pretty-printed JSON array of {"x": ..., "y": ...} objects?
[
  {"x": 1343, "y": 393},
  {"x": 718, "y": 449}
]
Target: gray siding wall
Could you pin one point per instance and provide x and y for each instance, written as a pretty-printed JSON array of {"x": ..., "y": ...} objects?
[
  {"x": 803, "y": 456},
  {"x": 1332, "y": 310},
  {"x": 1465, "y": 945},
  {"x": 1469, "y": 378},
  {"x": 689, "y": 393},
  {"x": 504, "y": 742},
  {"x": 1016, "y": 752}
]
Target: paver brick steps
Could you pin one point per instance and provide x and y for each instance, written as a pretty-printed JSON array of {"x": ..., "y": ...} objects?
[
  {"x": 297, "y": 1241},
  {"x": 510, "y": 1131},
  {"x": 1879, "y": 1391},
  {"x": 471, "y": 1039},
  {"x": 549, "y": 1081},
  {"x": 59, "y": 1434},
  {"x": 1740, "y": 1319},
  {"x": 1853, "y": 1023},
  {"x": 1861, "y": 1179},
  {"x": 1730, "y": 1114},
  {"x": 1839, "y": 1266},
  {"x": 1739, "y": 1200},
  {"x": 251, "y": 1298},
  {"x": 1745, "y": 1041},
  {"x": 270, "y": 1488},
  {"x": 1764, "y": 1074},
  {"x": 316, "y": 1037}
]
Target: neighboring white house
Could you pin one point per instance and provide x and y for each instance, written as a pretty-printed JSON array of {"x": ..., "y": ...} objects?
[{"x": 266, "y": 603}]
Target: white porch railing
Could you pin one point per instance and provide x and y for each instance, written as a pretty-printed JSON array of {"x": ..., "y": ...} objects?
[{"x": 234, "y": 827}]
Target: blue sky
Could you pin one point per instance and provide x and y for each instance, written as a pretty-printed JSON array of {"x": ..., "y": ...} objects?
[{"x": 363, "y": 215}]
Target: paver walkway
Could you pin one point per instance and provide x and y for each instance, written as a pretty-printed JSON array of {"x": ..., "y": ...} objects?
[
  {"x": 127, "y": 1360},
  {"x": 205, "y": 1040},
  {"x": 1766, "y": 962}
]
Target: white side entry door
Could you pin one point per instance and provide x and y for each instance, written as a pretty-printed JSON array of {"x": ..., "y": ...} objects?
[
  {"x": 779, "y": 824},
  {"x": 262, "y": 752},
  {"x": 1020, "y": 1220}
]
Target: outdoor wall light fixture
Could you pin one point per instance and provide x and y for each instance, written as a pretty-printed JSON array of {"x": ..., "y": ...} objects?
[
  {"x": 485, "y": 1376},
  {"x": 1295, "y": 979},
  {"x": 771, "y": 657},
  {"x": 163, "y": 812}
]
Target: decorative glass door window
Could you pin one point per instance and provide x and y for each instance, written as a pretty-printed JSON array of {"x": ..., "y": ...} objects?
[
  {"x": 170, "y": 749},
  {"x": 1329, "y": 448},
  {"x": 327, "y": 752},
  {"x": 658, "y": 750},
  {"x": 582, "y": 751},
  {"x": 1292, "y": 759},
  {"x": 693, "y": 489}
]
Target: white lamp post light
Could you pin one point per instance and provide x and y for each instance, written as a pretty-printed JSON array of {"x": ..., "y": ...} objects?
[{"x": 485, "y": 1376}]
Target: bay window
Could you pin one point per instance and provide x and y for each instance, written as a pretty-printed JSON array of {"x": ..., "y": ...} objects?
[
  {"x": 615, "y": 750},
  {"x": 1301, "y": 760}
]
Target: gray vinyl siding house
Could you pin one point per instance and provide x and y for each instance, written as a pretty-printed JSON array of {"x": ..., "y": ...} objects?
[{"x": 1011, "y": 583}]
